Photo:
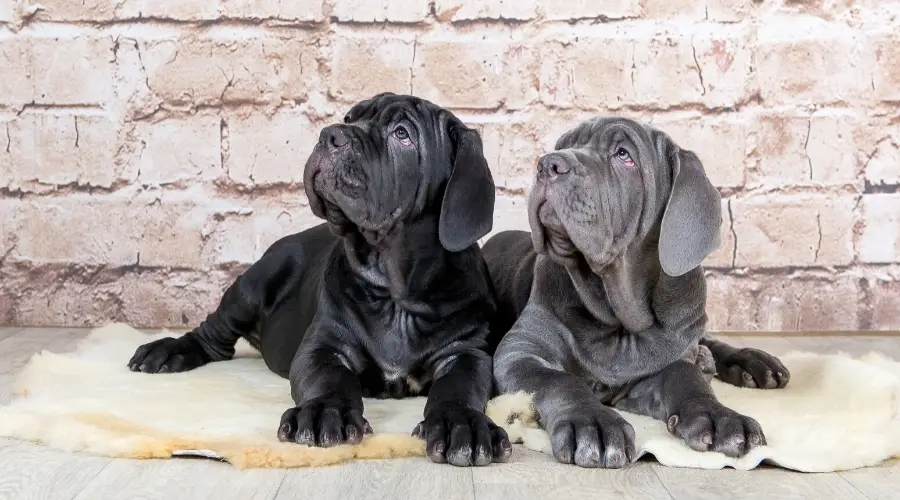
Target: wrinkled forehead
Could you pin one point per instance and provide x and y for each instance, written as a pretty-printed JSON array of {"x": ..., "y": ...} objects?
[
  {"x": 387, "y": 109},
  {"x": 603, "y": 133}
]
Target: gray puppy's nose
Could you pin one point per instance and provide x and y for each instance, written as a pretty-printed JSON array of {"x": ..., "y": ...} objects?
[
  {"x": 553, "y": 165},
  {"x": 334, "y": 137}
]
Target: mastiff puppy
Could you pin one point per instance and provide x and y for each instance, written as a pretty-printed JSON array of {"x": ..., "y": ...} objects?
[
  {"x": 605, "y": 301},
  {"x": 391, "y": 297}
]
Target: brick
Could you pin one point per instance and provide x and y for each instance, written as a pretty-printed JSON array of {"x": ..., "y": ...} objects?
[
  {"x": 461, "y": 10},
  {"x": 879, "y": 242},
  {"x": 592, "y": 72},
  {"x": 811, "y": 48},
  {"x": 555, "y": 10},
  {"x": 388, "y": 62},
  {"x": 161, "y": 299},
  {"x": 54, "y": 150},
  {"x": 16, "y": 86},
  {"x": 794, "y": 230},
  {"x": 724, "y": 56},
  {"x": 216, "y": 70},
  {"x": 808, "y": 303},
  {"x": 76, "y": 229},
  {"x": 269, "y": 220},
  {"x": 298, "y": 10},
  {"x": 179, "y": 151},
  {"x": 269, "y": 150},
  {"x": 368, "y": 11},
  {"x": 512, "y": 151},
  {"x": 510, "y": 213},
  {"x": 80, "y": 296},
  {"x": 799, "y": 302},
  {"x": 104, "y": 10},
  {"x": 729, "y": 303},
  {"x": 727, "y": 11},
  {"x": 719, "y": 141},
  {"x": 475, "y": 74},
  {"x": 884, "y": 307},
  {"x": 723, "y": 257},
  {"x": 668, "y": 9},
  {"x": 121, "y": 229},
  {"x": 6, "y": 11},
  {"x": 883, "y": 167},
  {"x": 886, "y": 77},
  {"x": 817, "y": 149},
  {"x": 83, "y": 63}
]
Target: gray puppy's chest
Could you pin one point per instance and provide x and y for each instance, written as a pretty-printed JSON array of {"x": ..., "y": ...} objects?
[{"x": 597, "y": 317}]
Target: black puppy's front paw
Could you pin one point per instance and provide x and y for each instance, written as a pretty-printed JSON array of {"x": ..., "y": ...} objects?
[
  {"x": 463, "y": 437},
  {"x": 168, "y": 355},
  {"x": 752, "y": 368},
  {"x": 323, "y": 422},
  {"x": 593, "y": 437},
  {"x": 711, "y": 426}
]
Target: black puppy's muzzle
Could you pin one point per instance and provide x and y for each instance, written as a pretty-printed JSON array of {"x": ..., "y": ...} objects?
[{"x": 334, "y": 138}]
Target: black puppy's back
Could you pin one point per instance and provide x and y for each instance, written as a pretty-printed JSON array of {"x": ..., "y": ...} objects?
[{"x": 510, "y": 259}]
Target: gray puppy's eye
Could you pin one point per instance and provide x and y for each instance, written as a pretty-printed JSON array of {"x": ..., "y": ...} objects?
[
  {"x": 623, "y": 155},
  {"x": 401, "y": 133}
]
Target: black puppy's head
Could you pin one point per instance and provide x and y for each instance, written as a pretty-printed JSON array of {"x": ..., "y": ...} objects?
[
  {"x": 395, "y": 159},
  {"x": 612, "y": 182}
]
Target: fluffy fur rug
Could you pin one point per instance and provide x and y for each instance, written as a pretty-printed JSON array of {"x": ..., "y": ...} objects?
[{"x": 837, "y": 413}]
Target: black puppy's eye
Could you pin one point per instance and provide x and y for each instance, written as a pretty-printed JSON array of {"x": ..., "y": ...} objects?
[
  {"x": 401, "y": 133},
  {"x": 347, "y": 118}
]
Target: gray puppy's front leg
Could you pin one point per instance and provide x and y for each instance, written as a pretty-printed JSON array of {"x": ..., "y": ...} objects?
[
  {"x": 582, "y": 430},
  {"x": 680, "y": 396}
]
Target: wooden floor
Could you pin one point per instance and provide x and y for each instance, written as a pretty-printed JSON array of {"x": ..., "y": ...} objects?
[{"x": 29, "y": 471}]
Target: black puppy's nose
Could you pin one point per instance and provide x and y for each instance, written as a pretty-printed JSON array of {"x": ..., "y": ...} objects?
[
  {"x": 334, "y": 137},
  {"x": 552, "y": 166}
]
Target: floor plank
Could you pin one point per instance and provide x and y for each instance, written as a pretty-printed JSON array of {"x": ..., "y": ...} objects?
[
  {"x": 535, "y": 475},
  {"x": 416, "y": 478},
  {"x": 764, "y": 482},
  {"x": 199, "y": 479},
  {"x": 6, "y": 331},
  {"x": 877, "y": 483},
  {"x": 29, "y": 471}
]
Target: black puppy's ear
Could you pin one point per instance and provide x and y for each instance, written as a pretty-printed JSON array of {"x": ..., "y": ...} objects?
[
  {"x": 693, "y": 216},
  {"x": 467, "y": 212}
]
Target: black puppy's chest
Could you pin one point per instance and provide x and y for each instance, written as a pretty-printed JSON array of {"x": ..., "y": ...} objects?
[{"x": 398, "y": 343}]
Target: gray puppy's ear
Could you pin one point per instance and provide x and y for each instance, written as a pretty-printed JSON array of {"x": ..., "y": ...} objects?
[
  {"x": 693, "y": 216},
  {"x": 467, "y": 212}
]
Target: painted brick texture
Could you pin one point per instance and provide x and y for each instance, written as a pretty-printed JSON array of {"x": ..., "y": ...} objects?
[{"x": 151, "y": 149}]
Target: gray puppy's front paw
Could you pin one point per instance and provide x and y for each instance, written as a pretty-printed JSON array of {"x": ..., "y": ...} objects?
[
  {"x": 593, "y": 437},
  {"x": 752, "y": 368},
  {"x": 711, "y": 426}
]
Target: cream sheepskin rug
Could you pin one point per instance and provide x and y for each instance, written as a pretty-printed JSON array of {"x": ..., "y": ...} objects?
[{"x": 837, "y": 413}]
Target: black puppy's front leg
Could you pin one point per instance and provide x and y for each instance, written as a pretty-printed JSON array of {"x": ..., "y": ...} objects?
[
  {"x": 213, "y": 340},
  {"x": 680, "y": 396},
  {"x": 455, "y": 428},
  {"x": 747, "y": 367},
  {"x": 328, "y": 397}
]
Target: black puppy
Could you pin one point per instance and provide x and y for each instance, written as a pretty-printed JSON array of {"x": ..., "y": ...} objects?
[{"x": 390, "y": 298}]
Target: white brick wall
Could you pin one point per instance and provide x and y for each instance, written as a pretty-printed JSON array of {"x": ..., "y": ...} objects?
[{"x": 150, "y": 149}]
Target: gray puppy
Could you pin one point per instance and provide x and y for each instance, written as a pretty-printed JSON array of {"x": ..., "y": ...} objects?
[{"x": 605, "y": 301}]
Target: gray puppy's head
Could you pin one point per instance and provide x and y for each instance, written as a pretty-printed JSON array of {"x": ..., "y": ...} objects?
[
  {"x": 397, "y": 159},
  {"x": 612, "y": 183}
]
